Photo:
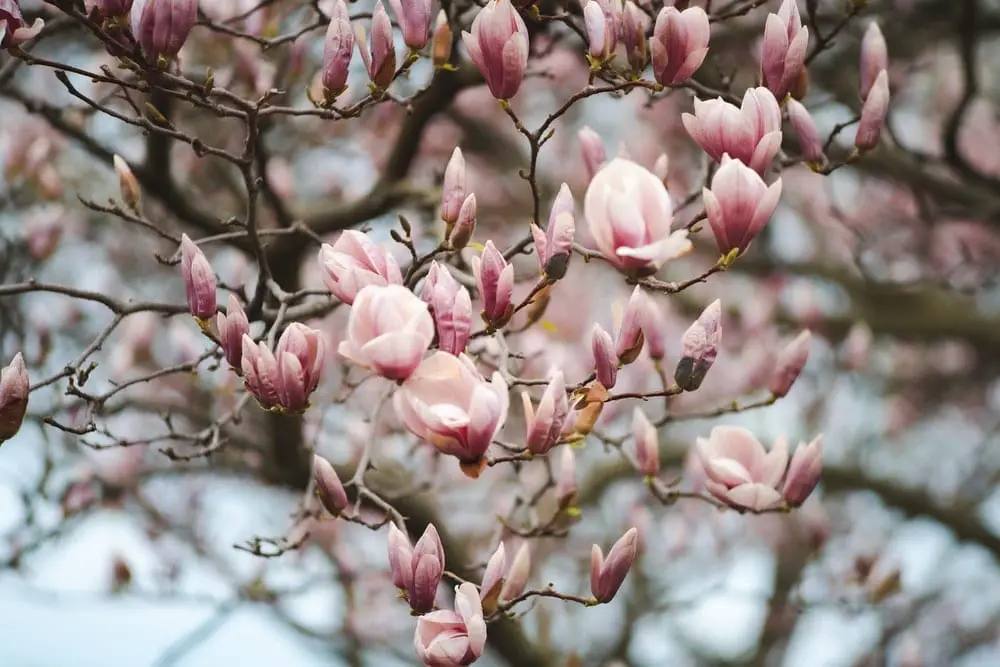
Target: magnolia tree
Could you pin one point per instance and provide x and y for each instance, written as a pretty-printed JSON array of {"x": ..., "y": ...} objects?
[{"x": 508, "y": 318}]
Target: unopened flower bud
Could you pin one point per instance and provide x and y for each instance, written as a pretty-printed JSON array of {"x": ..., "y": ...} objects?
[
  {"x": 566, "y": 478},
  {"x": 128, "y": 185},
  {"x": 338, "y": 48},
  {"x": 605, "y": 359},
  {"x": 453, "y": 188},
  {"x": 517, "y": 576},
  {"x": 451, "y": 308},
  {"x": 680, "y": 44},
  {"x": 700, "y": 347},
  {"x": 647, "y": 444},
  {"x": 489, "y": 592},
  {"x": 607, "y": 576},
  {"x": 554, "y": 246},
  {"x": 465, "y": 226},
  {"x": 784, "y": 51},
  {"x": 873, "y": 114},
  {"x": 441, "y": 43},
  {"x": 328, "y": 487},
  {"x": 804, "y": 472},
  {"x": 400, "y": 557},
  {"x": 13, "y": 397},
  {"x": 260, "y": 372},
  {"x": 634, "y": 24},
  {"x": 232, "y": 326},
  {"x": 498, "y": 45},
  {"x": 162, "y": 26},
  {"x": 199, "y": 280},
  {"x": 414, "y": 19},
  {"x": 790, "y": 363},
  {"x": 874, "y": 58},
  {"x": 380, "y": 56},
  {"x": 427, "y": 568},
  {"x": 545, "y": 427},
  {"x": 601, "y": 37},
  {"x": 495, "y": 278},
  {"x": 654, "y": 327},
  {"x": 593, "y": 151},
  {"x": 810, "y": 144},
  {"x": 629, "y": 338}
]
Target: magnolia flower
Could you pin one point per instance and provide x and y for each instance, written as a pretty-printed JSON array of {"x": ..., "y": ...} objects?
[
  {"x": 446, "y": 403},
  {"x": 545, "y": 426},
  {"x": 199, "y": 280},
  {"x": 750, "y": 133},
  {"x": 353, "y": 263},
  {"x": 162, "y": 26},
  {"x": 498, "y": 45},
  {"x": 13, "y": 397},
  {"x": 740, "y": 472},
  {"x": 738, "y": 205},
  {"x": 629, "y": 213},
  {"x": 608, "y": 575},
  {"x": 452, "y": 638},
  {"x": 389, "y": 331},
  {"x": 417, "y": 570},
  {"x": 783, "y": 58},
  {"x": 680, "y": 44}
]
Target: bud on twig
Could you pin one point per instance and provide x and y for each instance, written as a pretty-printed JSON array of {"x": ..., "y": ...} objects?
[
  {"x": 605, "y": 359},
  {"x": 328, "y": 487},
  {"x": 465, "y": 226},
  {"x": 607, "y": 576},
  {"x": 379, "y": 56},
  {"x": 647, "y": 444},
  {"x": 14, "y": 388},
  {"x": 127, "y": 184},
  {"x": 495, "y": 278},
  {"x": 199, "y": 280},
  {"x": 804, "y": 472},
  {"x": 874, "y": 58},
  {"x": 790, "y": 363},
  {"x": 700, "y": 347},
  {"x": 232, "y": 326},
  {"x": 873, "y": 114}
]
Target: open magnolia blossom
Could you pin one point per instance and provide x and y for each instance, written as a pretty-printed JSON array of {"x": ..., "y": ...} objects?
[
  {"x": 447, "y": 403},
  {"x": 742, "y": 474},
  {"x": 355, "y": 262},
  {"x": 448, "y": 638},
  {"x": 630, "y": 214}
]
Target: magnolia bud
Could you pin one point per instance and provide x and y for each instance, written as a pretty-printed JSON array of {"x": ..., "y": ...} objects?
[
  {"x": 601, "y": 36},
  {"x": 127, "y": 184},
  {"x": 441, "y": 43},
  {"x": 13, "y": 397},
  {"x": 414, "y": 19},
  {"x": 453, "y": 188},
  {"x": 566, "y": 479},
  {"x": 380, "y": 56},
  {"x": 629, "y": 339},
  {"x": 498, "y": 45},
  {"x": 607, "y": 576},
  {"x": 804, "y": 472},
  {"x": 634, "y": 24},
  {"x": 517, "y": 576},
  {"x": 873, "y": 114},
  {"x": 605, "y": 359},
  {"x": 489, "y": 592},
  {"x": 162, "y": 26},
  {"x": 199, "y": 280},
  {"x": 680, "y": 44},
  {"x": 338, "y": 48},
  {"x": 593, "y": 151},
  {"x": 232, "y": 326},
  {"x": 810, "y": 144},
  {"x": 790, "y": 363},
  {"x": 328, "y": 487},
  {"x": 647, "y": 445},
  {"x": 465, "y": 226},
  {"x": 874, "y": 58},
  {"x": 700, "y": 347},
  {"x": 495, "y": 278},
  {"x": 427, "y": 567}
]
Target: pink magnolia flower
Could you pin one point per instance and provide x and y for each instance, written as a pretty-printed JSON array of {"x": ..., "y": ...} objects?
[
  {"x": 260, "y": 372},
  {"x": 566, "y": 476},
  {"x": 517, "y": 575},
  {"x": 804, "y": 472},
  {"x": 790, "y": 364},
  {"x": 449, "y": 405},
  {"x": 13, "y": 397},
  {"x": 608, "y": 575},
  {"x": 629, "y": 213},
  {"x": 647, "y": 443},
  {"x": 461, "y": 232},
  {"x": 605, "y": 359},
  {"x": 545, "y": 426},
  {"x": 380, "y": 56},
  {"x": 784, "y": 52},
  {"x": 498, "y": 45},
  {"x": 453, "y": 638},
  {"x": 414, "y": 19},
  {"x": 353, "y": 263},
  {"x": 874, "y": 57},
  {"x": 453, "y": 186},
  {"x": 873, "y": 114},
  {"x": 680, "y": 44},
  {"x": 738, "y": 205},
  {"x": 232, "y": 326},
  {"x": 555, "y": 245},
  {"x": 634, "y": 25},
  {"x": 162, "y": 26},
  {"x": 599, "y": 19},
  {"x": 199, "y": 280},
  {"x": 810, "y": 143},
  {"x": 739, "y": 472},
  {"x": 300, "y": 356},
  {"x": 328, "y": 486},
  {"x": 700, "y": 347},
  {"x": 417, "y": 570},
  {"x": 388, "y": 331},
  {"x": 750, "y": 133},
  {"x": 338, "y": 48},
  {"x": 592, "y": 149},
  {"x": 495, "y": 278},
  {"x": 13, "y": 30},
  {"x": 451, "y": 307},
  {"x": 629, "y": 337}
]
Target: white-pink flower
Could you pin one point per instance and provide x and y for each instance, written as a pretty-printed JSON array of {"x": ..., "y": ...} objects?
[
  {"x": 389, "y": 330},
  {"x": 629, "y": 213},
  {"x": 750, "y": 133},
  {"x": 353, "y": 263},
  {"x": 448, "y": 638},
  {"x": 447, "y": 403},
  {"x": 739, "y": 471}
]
